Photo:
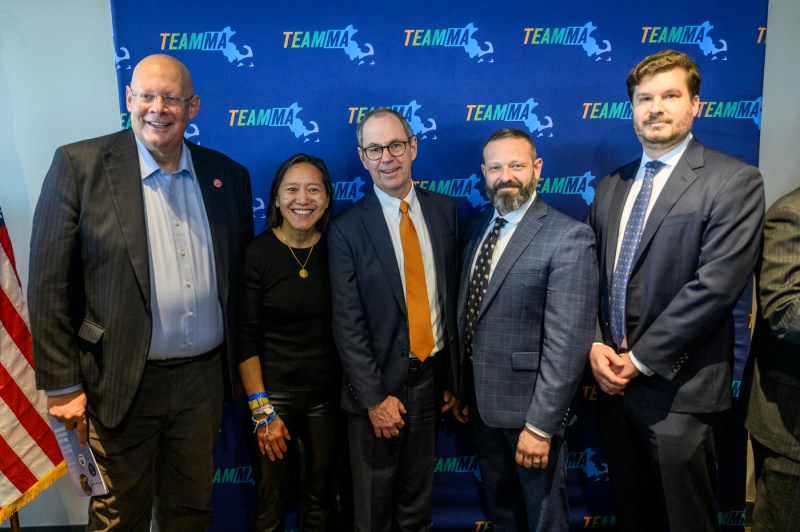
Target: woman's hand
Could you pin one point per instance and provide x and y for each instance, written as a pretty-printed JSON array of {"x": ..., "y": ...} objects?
[{"x": 272, "y": 443}]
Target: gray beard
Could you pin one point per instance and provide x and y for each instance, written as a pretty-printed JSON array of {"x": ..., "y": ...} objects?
[{"x": 506, "y": 203}]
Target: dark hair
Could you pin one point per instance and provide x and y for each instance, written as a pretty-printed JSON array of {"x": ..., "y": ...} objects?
[
  {"x": 274, "y": 216},
  {"x": 383, "y": 111},
  {"x": 512, "y": 133},
  {"x": 661, "y": 62}
]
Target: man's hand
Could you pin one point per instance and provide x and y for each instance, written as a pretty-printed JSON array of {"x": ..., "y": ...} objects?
[
  {"x": 386, "y": 417},
  {"x": 461, "y": 412},
  {"x": 607, "y": 367},
  {"x": 532, "y": 449},
  {"x": 70, "y": 409},
  {"x": 628, "y": 370},
  {"x": 450, "y": 401}
]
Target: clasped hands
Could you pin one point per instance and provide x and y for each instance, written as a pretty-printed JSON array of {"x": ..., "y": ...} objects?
[
  {"x": 613, "y": 371},
  {"x": 387, "y": 416}
]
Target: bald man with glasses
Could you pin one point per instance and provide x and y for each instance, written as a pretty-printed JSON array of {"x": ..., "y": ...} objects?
[{"x": 136, "y": 238}]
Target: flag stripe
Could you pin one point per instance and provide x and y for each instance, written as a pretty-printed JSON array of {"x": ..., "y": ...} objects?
[
  {"x": 15, "y": 469},
  {"x": 28, "y": 417},
  {"x": 5, "y": 243},
  {"x": 30, "y": 459},
  {"x": 15, "y": 325}
]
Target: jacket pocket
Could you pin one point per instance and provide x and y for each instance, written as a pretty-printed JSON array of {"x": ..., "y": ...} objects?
[
  {"x": 91, "y": 332},
  {"x": 525, "y": 361}
]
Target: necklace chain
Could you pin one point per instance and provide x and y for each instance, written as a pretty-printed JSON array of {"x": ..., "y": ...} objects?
[{"x": 303, "y": 273}]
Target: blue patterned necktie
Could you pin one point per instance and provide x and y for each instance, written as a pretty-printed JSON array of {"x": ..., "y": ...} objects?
[
  {"x": 630, "y": 241},
  {"x": 480, "y": 281}
]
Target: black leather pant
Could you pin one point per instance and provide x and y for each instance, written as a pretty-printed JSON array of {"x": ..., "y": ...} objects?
[{"x": 311, "y": 419}]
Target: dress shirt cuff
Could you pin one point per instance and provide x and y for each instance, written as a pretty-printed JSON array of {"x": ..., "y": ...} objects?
[
  {"x": 538, "y": 432},
  {"x": 641, "y": 367},
  {"x": 64, "y": 391}
]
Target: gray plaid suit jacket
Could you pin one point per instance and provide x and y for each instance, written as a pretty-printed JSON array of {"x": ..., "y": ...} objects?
[{"x": 535, "y": 326}]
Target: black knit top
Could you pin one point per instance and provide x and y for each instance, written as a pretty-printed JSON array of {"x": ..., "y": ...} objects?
[{"x": 285, "y": 319}]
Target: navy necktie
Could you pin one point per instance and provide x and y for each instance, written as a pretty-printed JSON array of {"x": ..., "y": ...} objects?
[
  {"x": 480, "y": 281},
  {"x": 630, "y": 241}
]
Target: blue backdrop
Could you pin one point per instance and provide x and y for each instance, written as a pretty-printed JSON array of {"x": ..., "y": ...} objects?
[{"x": 280, "y": 78}]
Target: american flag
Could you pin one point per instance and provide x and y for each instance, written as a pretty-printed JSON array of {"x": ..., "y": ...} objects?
[{"x": 30, "y": 459}]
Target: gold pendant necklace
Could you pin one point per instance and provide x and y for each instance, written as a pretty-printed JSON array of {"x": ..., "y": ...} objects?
[{"x": 303, "y": 273}]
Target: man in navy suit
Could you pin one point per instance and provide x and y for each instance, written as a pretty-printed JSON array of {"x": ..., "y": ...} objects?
[
  {"x": 394, "y": 383},
  {"x": 527, "y": 309},
  {"x": 664, "y": 348},
  {"x": 136, "y": 238}
]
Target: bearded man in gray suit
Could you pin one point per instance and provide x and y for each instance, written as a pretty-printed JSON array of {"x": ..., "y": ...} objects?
[
  {"x": 772, "y": 381},
  {"x": 527, "y": 309},
  {"x": 133, "y": 260}
]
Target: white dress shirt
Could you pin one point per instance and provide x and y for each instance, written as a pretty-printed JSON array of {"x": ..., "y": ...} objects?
[
  {"x": 391, "y": 212},
  {"x": 670, "y": 159}
]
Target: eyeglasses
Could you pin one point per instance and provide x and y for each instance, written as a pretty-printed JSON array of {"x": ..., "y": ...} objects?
[
  {"x": 169, "y": 101},
  {"x": 396, "y": 148}
]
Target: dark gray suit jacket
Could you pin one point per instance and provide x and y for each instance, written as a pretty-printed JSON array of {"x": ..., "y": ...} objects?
[
  {"x": 89, "y": 285},
  {"x": 697, "y": 253},
  {"x": 771, "y": 386},
  {"x": 536, "y": 322},
  {"x": 370, "y": 324}
]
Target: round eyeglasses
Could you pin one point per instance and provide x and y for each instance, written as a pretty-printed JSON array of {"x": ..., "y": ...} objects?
[{"x": 396, "y": 149}]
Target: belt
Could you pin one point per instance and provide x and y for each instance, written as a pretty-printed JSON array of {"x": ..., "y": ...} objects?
[
  {"x": 415, "y": 364},
  {"x": 176, "y": 362}
]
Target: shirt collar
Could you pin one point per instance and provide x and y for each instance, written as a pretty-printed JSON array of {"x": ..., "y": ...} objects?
[
  {"x": 671, "y": 157},
  {"x": 514, "y": 217},
  {"x": 148, "y": 165},
  {"x": 392, "y": 204}
]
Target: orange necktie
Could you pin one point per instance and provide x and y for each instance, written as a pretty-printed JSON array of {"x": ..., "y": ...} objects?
[{"x": 420, "y": 330}]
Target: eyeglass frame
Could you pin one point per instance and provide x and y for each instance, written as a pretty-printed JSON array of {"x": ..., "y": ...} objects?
[
  {"x": 405, "y": 144},
  {"x": 167, "y": 100}
]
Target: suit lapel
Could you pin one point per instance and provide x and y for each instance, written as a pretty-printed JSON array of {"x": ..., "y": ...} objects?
[
  {"x": 434, "y": 223},
  {"x": 525, "y": 232},
  {"x": 681, "y": 179},
  {"x": 216, "y": 211},
  {"x": 473, "y": 240},
  {"x": 375, "y": 226},
  {"x": 124, "y": 180}
]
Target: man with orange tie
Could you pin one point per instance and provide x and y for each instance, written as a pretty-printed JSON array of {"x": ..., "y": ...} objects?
[{"x": 393, "y": 274}]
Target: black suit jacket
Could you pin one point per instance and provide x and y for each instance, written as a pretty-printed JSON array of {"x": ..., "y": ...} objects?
[
  {"x": 89, "y": 285},
  {"x": 697, "y": 253},
  {"x": 370, "y": 324}
]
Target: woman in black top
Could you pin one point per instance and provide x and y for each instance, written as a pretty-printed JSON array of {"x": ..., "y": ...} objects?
[{"x": 288, "y": 362}]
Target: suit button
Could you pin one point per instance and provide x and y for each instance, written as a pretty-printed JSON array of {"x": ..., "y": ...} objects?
[{"x": 404, "y": 353}]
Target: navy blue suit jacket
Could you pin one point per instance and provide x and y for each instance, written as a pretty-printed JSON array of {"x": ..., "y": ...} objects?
[
  {"x": 536, "y": 321},
  {"x": 370, "y": 324},
  {"x": 697, "y": 254}
]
